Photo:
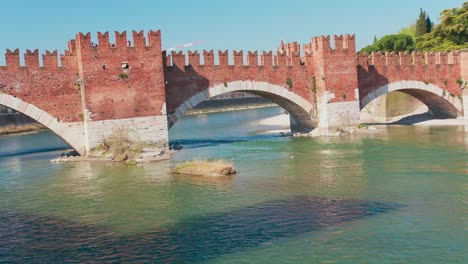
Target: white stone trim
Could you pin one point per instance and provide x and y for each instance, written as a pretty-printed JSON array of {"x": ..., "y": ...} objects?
[
  {"x": 408, "y": 84},
  {"x": 238, "y": 86},
  {"x": 149, "y": 129},
  {"x": 70, "y": 132}
]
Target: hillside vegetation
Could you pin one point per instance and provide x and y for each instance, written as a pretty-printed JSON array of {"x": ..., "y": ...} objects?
[{"x": 423, "y": 35}]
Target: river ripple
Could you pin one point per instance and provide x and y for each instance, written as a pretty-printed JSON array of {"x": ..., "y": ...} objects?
[{"x": 396, "y": 196}]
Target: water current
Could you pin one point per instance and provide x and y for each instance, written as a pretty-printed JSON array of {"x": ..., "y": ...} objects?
[{"x": 394, "y": 196}]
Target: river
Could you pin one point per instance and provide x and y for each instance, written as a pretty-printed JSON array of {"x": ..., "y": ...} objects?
[{"x": 398, "y": 196}]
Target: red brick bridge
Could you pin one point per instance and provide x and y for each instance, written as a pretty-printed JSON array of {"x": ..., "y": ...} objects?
[{"x": 92, "y": 90}]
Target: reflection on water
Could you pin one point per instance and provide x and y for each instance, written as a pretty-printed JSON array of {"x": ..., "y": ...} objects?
[
  {"x": 220, "y": 183},
  {"x": 192, "y": 240},
  {"x": 398, "y": 196}
]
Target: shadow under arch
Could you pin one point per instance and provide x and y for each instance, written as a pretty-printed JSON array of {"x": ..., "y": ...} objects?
[
  {"x": 440, "y": 103},
  {"x": 299, "y": 108},
  {"x": 71, "y": 133}
]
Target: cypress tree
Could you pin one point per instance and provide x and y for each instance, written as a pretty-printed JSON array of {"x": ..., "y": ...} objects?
[
  {"x": 421, "y": 24},
  {"x": 428, "y": 24},
  {"x": 375, "y": 39}
]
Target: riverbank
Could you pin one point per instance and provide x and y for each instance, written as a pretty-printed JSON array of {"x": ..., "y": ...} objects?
[
  {"x": 227, "y": 105},
  {"x": 422, "y": 119},
  {"x": 19, "y": 129},
  {"x": 147, "y": 155},
  {"x": 228, "y": 109}
]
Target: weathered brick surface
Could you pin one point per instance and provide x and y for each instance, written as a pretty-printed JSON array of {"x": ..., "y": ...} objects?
[
  {"x": 334, "y": 70},
  {"x": 50, "y": 88},
  {"x": 378, "y": 69},
  {"x": 101, "y": 82},
  {"x": 185, "y": 82},
  {"x": 112, "y": 92}
]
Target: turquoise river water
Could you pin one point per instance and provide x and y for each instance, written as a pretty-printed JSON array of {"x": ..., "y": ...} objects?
[{"x": 397, "y": 196}]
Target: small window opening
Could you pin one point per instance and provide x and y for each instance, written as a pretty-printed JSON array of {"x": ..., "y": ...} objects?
[
  {"x": 104, "y": 67},
  {"x": 125, "y": 66}
]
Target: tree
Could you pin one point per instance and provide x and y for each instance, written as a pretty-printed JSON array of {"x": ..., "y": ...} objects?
[
  {"x": 397, "y": 42},
  {"x": 411, "y": 30},
  {"x": 375, "y": 39},
  {"x": 422, "y": 23},
  {"x": 450, "y": 34},
  {"x": 429, "y": 24}
]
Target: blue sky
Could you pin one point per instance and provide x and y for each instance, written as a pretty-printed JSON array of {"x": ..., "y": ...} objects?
[{"x": 221, "y": 24}]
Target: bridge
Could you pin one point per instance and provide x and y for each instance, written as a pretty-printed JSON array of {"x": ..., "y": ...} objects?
[{"x": 92, "y": 90}]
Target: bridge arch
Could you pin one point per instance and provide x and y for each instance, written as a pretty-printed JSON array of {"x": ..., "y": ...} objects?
[
  {"x": 71, "y": 132},
  {"x": 440, "y": 103},
  {"x": 300, "y": 109}
]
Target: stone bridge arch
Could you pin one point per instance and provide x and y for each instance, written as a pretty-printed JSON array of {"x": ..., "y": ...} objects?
[
  {"x": 70, "y": 132},
  {"x": 300, "y": 109},
  {"x": 440, "y": 102}
]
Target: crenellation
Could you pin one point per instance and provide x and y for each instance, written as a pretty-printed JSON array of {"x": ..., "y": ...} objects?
[
  {"x": 377, "y": 59},
  {"x": 267, "y": 59},
  {"x": 103, "y": 40},
  {"x": 281, "y": 59},
  {"x": 194, "y": 58},
  {"x": 154, "y": 38},
  {"x": 309, "y": 61},
  {"x": 252, "y": 58},
  {"x": 83, "y": 40},
  {"x": 168, "y": 60},
  {"x": 342, "y": 43},
  {"x": 12, "y": 58},
  {"x": 238, "y": 58},
  {"x": 314, "y": 44},
  {"x": 307, "y": 48},
  {"x": 68, "y": 60},
  {"x": 363, "y": 59},
  {"x": 223, "y": 58},
  {"x": 452, "y": 57},
  {"x": 31, "y": 59},
  {"x": 124, "y": 83},
  {"x": 72, "y": 46},
  {"x": 139, "y": 40},
  {"x": 405, "y": 58},
  {"x": 323, "y": 44},
  {"x": 429, "y": 58},
  {"x": 441, "y": 58},
  {"x": 50, "y": 59},
  {"x": 338, "y": 40},
  {"x": 282, "y": 47},
  {"x": 178, "y": 59},
  {"x": 417, "y": 58},
  {"x": 391, "y": 58},
  {"x": 208, "y": 58},
  {"x": 292, "y": 48},
  {"x": 121, "y": 39},
  {"x": 295, "y": 59},
  {"x": 349, "y": 43}
]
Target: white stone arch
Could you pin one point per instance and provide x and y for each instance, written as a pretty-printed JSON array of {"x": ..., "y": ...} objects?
[
  {"x": 439, "y": 101},
  {"x": 297, "y": 106},
  {"x": 71, "y": 132}
]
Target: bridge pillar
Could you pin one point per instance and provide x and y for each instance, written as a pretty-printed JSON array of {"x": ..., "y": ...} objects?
[
  {"x": 122, "y": 88},
  {"x": 336, "y": 115},
  {"x": 464, "y": 76},
  {"x": 337, "y": 82}
]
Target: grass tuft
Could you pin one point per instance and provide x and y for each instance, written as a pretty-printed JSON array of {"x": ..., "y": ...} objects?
[
  {"x": 120, "y": 146},
  {"x": 212, "y": 168}
]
